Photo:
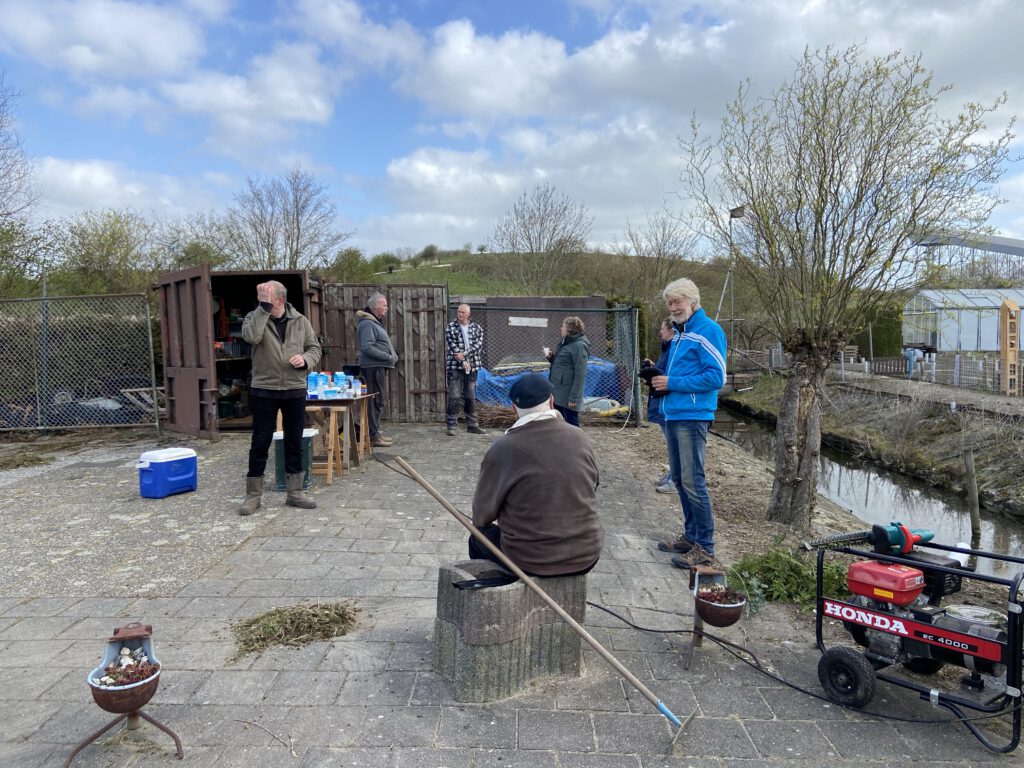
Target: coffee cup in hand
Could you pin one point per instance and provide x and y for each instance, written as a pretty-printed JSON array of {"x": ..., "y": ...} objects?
[{"x": 547, "y": 351}]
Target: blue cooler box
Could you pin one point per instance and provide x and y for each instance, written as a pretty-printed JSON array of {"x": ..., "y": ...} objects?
[{"x": 167, "y": 471}]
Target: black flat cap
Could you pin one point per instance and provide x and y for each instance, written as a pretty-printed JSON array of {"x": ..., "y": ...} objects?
[{"x": 530, "y": 390}]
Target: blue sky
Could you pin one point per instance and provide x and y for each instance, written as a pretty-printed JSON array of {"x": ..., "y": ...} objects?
[{"x": 426, "y": 119}]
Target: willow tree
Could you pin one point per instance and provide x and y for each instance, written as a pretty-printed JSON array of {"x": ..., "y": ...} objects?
[{"x": 821, "y": 191}]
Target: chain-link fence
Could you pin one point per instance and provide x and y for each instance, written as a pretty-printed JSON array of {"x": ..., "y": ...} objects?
[
  {"x": 78, "y": 361},
  {"x": 968, "y": 370},
  {"x": 514, "y": 342}
]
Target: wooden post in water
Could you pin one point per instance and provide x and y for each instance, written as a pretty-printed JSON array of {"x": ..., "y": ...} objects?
[{"x": 971, "y": 479}]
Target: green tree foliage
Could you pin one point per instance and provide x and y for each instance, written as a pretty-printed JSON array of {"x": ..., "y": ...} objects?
[
  {"x": 385, "y": 262},
  {"x": 349, "y": 266},
  {"x": 107, "y": 251},
  {"x": 839, "y": 173}
]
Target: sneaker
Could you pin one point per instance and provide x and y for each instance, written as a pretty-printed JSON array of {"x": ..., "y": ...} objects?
[
  {"x": 682, "y": 545},
  {"x": 666, "y": 478},
  {"x": 380, "y": 441},
  {"x": 450, "y": 431},
  {"x": 668, "y": 487},
  {"x": 695, "y": 557},
  {"x": 475, "y": 430}
]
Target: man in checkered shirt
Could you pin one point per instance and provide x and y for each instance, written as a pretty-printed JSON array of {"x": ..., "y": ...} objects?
[{"x": 464, "y": 344}]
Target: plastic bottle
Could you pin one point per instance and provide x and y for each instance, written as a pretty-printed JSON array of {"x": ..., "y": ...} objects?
[{"x": 312, "y": 379}]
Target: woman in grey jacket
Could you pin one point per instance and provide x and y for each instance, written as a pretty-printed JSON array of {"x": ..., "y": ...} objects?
[{"x": 569, "y": 369}]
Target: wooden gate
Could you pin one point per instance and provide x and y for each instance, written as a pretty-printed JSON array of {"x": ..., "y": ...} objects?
[
  {"x": 186, "y": 333},
  {"x": 417, "y": 315}
]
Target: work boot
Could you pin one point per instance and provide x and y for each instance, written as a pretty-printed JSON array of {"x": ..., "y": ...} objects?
[
  {"x": 681, "y": 546},
  {"x": 380, "y": 441},
  {"x": 695, "y": 557},
  {"x": 473, "y": 429},
  {"x": 253, "y": 495},
  {"x": 296, "y": 497}
]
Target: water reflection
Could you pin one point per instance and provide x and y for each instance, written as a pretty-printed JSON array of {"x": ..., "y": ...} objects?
[{"x": 876, "y": 495}]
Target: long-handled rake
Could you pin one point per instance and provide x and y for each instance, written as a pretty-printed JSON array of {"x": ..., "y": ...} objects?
[{"x": 616, "y": 664}]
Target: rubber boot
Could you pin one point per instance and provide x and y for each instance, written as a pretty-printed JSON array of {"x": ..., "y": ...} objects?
[
  {"x": 296, "y": 498},
  {"x": 253, "y": 495}
]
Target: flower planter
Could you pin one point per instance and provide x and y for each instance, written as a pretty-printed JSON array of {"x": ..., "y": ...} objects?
[
  {"x": 717, "y": 613},
  {"x": 121, "y": 699}
]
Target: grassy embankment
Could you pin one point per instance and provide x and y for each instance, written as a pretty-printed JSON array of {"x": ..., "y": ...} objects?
[{"x": 913, "y": 436}]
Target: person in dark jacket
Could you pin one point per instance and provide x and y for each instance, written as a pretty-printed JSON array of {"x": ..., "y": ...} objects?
[
  {"x": 376, "y": 357},
  {"x": 284, "y": 347},
  {"x": 654, "y": 414},
  {"x": 689, "y": 384},
  {"x": 569, "y": 369},
  {"x": 536, "y": 497}
]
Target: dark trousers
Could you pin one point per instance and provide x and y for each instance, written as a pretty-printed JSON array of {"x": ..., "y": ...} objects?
[
  {"x": 461, "y": 394},
  {"x": 376, "y": 383},
  {"x": 264, "y": 423},
  {"x": 570, "y": 416},
  {"x": 478, "y": 551}
]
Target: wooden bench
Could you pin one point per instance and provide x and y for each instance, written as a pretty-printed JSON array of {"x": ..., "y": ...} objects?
[{"x": 489, "y": 643}]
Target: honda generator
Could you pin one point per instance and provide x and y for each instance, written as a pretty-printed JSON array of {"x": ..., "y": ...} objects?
[{"x": 901, "y": 619}]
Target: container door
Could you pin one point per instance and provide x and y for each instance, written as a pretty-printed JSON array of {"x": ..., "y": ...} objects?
[{"x": 186, "y": 335}]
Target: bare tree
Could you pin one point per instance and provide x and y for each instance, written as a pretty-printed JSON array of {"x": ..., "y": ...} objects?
[
  {"x": 839, "y": 173},
  {"x": 654, "y": 256},
  {"x": 539, "y": 236},
  {"x": 283, "y": 223},
  {"x": 17, "y": 193}
]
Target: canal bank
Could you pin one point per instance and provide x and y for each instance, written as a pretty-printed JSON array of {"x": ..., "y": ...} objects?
[{"x": 919, "y": 430}]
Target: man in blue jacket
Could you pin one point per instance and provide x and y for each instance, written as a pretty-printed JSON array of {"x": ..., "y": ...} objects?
[{"x": 694, "y": 372}]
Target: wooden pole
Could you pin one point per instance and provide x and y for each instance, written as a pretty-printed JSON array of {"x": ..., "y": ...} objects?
[
  {"x": 529, "y": 582},
  {"x": 971, "y": 480}
]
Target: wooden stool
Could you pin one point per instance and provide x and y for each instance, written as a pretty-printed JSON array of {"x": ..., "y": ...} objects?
[{"x": 335, "y": 444}]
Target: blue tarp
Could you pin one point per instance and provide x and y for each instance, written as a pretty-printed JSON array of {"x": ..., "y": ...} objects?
[{"x": 604, "y": 379}]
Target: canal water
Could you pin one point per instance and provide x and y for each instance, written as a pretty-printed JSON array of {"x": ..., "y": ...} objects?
[{"x": 876, "y": 495}]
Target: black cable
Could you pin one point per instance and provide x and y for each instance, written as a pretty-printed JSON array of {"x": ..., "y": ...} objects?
[{"x": 757, "y": 665}]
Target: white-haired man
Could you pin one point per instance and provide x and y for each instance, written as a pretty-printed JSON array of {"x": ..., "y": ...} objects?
[
  {"x": 536, "y": 497},
  {"x": 376, "y": 357},
  {"x": 694, "y": 372},
  {"x": 284, "y": 348},
  {"x": 464, "y": 345}
]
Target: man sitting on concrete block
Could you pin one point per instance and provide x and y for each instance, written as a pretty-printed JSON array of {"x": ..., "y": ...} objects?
[{"x": 536, "y": 497}]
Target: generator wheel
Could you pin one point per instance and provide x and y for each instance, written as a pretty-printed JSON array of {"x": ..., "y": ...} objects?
[{"x": 847, "y": 676}]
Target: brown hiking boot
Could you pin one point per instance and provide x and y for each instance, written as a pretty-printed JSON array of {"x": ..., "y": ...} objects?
[
  {"x": 253, "y": 496},
  {"x": 380, "y": 441},
  {"x": 682, "y": 545},
  {"x": 296, "y": 497},
  {"x": 695, "y": 557}
]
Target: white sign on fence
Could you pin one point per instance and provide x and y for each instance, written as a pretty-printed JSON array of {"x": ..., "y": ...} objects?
[{"x": 531, "y": 322}]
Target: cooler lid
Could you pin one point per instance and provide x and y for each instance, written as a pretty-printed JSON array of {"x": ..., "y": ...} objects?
[
  {"x": 167, "y": 454},
  {"x": 307, "y": 432}
]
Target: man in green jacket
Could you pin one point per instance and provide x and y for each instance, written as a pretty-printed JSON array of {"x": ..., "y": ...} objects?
[{"x": 284, "y": 348}]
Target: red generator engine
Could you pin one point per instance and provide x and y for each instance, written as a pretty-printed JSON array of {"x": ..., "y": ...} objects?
[{"x": 895, "y": 614}]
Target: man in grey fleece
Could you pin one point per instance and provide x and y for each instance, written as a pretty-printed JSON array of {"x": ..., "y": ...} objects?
[
  {"x": 376, "y": 357},
  {"x": 536, "y": 497}
]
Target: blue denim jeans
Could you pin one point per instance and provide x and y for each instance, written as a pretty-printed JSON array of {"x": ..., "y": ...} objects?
[{"x": 686, "y": 442}]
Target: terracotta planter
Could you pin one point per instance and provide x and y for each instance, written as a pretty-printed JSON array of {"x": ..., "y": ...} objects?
[{"x": 719, "y": 614}]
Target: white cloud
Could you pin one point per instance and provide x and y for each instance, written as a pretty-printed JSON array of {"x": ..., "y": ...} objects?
[
  {"x": 116, "y": 101},
  {"x": 464, "y": 73},
  {"x": 115, "y": 39},
  {"x": 343, "y": 25},
  {"x": 285, "y": 87},
  {"x": 71, "y": 186}
]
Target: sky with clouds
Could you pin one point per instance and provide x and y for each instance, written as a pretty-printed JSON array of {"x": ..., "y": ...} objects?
[{"x": 426, "y": 119}]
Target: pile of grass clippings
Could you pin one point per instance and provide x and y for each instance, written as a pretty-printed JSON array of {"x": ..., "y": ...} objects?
[{"x": 294, "y": 625}]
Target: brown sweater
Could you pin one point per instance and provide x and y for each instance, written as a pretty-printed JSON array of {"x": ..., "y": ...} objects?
[{"x": 539, "y": 482}]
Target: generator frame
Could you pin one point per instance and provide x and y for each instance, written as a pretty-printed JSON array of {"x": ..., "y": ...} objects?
[{"x": 1009, "y": 652}]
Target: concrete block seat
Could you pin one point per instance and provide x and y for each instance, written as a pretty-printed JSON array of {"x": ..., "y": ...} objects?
[{"x": 491, "y": 642}]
